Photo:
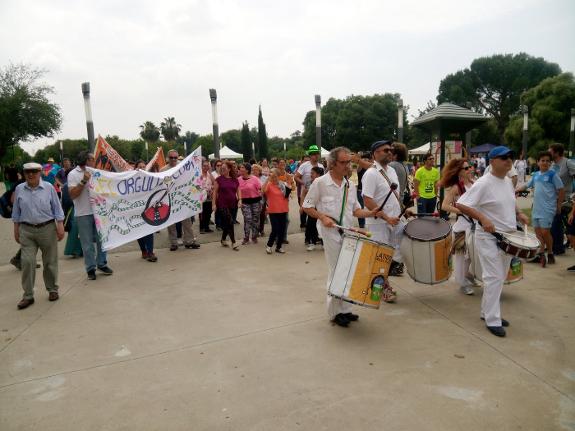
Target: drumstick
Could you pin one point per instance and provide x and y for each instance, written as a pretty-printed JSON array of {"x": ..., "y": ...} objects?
[
  {"x": 356, "y": 230},
  {"x": 392, "y": 188}
]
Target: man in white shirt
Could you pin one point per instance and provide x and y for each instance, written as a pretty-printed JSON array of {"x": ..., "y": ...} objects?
[
  {"x": 491, "y": 200},
  {"x": 302, "y": 176},
  {"x": 376, "y": 190},
  {"x": 78, "y": 179},
  {"x": 332, "y": 200},
  {"x": 511, "y": 174}
]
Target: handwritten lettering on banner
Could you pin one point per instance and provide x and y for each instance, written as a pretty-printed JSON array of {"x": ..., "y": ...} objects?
[{"x": 130, "y": 205}]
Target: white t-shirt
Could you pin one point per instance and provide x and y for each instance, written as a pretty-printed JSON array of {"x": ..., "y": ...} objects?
[
  {"x": 82, "y": 202},
  {"x": 495, "y": 198},
  {"x": 327, "y": 197},
  {"x": 376, "y": 187},
  {"x": 305, "y": 171}
]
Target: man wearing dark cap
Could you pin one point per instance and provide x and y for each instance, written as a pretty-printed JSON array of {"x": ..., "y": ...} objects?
[
  {"x": 491, "y": 200},
  {"x": 38, "y": 224},
  {"x": 302, "y": 176}
]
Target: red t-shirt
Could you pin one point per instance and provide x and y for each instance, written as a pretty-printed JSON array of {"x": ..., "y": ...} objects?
[{"x": 277, "y": 203}]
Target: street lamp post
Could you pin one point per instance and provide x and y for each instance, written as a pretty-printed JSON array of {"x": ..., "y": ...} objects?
[
  {"x": 214, "y": 99},
  {"x": 525, "y": 111},
  {"x": 318, "y": 122},
  {"x": 400, "y": 120},
  {"x": 88, "y": 110},
  {"x": 572, "y": 132}
]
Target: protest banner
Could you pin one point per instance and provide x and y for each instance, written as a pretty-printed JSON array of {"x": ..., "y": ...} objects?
[
  {"x": 108, "y": 159},
  {"x": 132, "y": 204},
  {"x": 157, "y": 162}
]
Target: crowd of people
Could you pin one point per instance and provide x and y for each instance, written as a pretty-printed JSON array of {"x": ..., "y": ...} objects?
[{"x": 45, "y": 202}]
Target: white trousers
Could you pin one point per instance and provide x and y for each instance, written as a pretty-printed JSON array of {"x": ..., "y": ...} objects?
[
  {"x": 461, "y": 263},
  {"x": 494, "y": 266},
  {"x": 332, "y": 245},
  {"x": 390, "y": 235}
]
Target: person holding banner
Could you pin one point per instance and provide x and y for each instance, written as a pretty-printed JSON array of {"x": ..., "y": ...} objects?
[
  {"x": 77, "y": 183},
  {"x": 146, "y": 243},
  {"x": 190, "y": 240}
]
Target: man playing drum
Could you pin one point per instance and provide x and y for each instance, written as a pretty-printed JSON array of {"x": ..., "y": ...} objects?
[
  {"x": 491, "y": 200},
  {"x": 376, "y": 190},
  {"x": 332, "y": 200}
]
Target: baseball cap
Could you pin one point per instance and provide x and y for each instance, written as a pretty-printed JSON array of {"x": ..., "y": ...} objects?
[
  {"x": 378, "y": 144},
  {"x": 313, "y": 149},
  {"x": 499, "y": 151}
]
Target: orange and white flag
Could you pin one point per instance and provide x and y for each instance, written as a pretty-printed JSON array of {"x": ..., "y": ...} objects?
[
  {"x": 159, "y": 160},
  {"x": 108, "y": 159}
]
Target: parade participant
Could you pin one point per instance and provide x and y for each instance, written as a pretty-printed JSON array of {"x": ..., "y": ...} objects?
[
  {"x": 311, "y": 234},
  {"x": 363, "y": 162},
  {"x": 146, "y": 243},
  {"x": 251, "y": 191},
  {"x": 190, "y": 239},
  {"x": 512, "y": 174},
  {"x": 77, "y": 183},
  {"x": 303, "y": 174},
  {"x": 227, "y": 196},
  {"x": 491, "y": 201},
  {"x": 258, "y": 172},
  {"x": 457, "y": 179},
  {"x": 332, "y": 199},
  {"x": 377, "y": 189},
  {"x": 288, "y": 180},
  {"x": 566, "y": 170},
  {"x": 548, "y": 197},
  {"x": 520, "y": 166},
  {"x": 276, "y": 192},
  {"x": 208, "y": 185},
  {"x": 571, "y": 232},
  {"x": 425, "y": 186},
  {"x": 38, "y": 224},
  {"x": 265, "y": 168}
]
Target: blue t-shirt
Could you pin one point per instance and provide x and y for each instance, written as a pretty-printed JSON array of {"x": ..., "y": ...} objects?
[{"x": 545, "y": 185}]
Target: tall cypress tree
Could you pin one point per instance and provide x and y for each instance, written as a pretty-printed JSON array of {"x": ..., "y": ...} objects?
[
  {"x": 262, "y": 137},
  {"x": 246, "y": 142}
]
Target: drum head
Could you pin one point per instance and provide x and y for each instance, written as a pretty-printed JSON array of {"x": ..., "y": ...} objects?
[
  {"x": 521, "y": 239},
  {"x": 427, "y": 228}
]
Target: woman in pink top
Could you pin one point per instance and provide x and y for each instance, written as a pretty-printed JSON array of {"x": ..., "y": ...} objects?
[
  {"x": 251, "y": 190},
  {"x": 278, "y": 206}
]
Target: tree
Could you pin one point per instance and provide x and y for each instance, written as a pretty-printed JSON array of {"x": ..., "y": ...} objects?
[
  {"x": 150, "y": 132},
  {"x": 355, "y": 122},
  {"x": 170, "y": 129},
  {"x": 493, "y": 85},
  {"x": 232, "y": 139},
  {"x": 550, "y": 105},
  {"x": 262, "y": 137},
  {"x": 25, "y": 110},
  {"x": 188, "y": 140},
  {"x": 246, "y": 142}
]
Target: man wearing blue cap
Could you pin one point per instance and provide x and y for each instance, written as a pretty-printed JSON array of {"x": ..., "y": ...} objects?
[{"x": 491, "y": 201}]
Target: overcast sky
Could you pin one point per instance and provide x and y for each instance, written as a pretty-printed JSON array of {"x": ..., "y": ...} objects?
[{"x": 149, "y": 59}]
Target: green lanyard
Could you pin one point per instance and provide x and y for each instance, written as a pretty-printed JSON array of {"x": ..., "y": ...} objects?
[{"x": 344, "y": 202}]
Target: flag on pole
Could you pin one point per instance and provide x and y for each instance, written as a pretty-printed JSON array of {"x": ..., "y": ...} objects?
[
  {"x": 159, "y": 160},
  {"x": 108, "y": 159}
]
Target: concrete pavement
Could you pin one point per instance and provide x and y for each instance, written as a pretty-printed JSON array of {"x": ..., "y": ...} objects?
[{"x": 213, "y": 339}]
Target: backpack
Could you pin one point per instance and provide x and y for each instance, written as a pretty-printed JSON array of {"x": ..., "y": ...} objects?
[{"x": 6, "y": 205}]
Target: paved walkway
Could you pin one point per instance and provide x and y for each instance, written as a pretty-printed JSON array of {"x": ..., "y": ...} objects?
[{"x": 213, "y": 339}]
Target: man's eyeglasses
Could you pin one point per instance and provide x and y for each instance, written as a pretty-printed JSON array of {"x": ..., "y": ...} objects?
[
  {"x": 466, "y": 167},
  {"x": 387, "y": 150},
  {"x": 505, "y": 157},
  {"x": 173, "y": 158},
  {"x": 31, "y": 172}
]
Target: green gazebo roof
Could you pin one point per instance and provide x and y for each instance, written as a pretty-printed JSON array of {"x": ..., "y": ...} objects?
[{"x": 449, "y": 118}]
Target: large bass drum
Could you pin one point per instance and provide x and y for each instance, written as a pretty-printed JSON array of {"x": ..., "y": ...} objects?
[{"x": 426, "y": 249}]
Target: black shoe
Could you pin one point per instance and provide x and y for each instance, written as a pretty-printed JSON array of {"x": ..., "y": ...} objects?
[
  {"x": 341, "y": 320},
  {"x": 571, "y": 269},
  {"x": 497, "y": 330},
  {"x": 92, "y": 274},
  {"x": 193, "y": 245},
  {"x": 351, "y": 317},
  {"x": 106, "y": 270},
  {"x": 550, "y": 259},
  {"x": 17, "y": 263},
  {"x": 503, "y": 322},
  {"x": 285, "y": 242},
  {"x": 173, "y": 247},
  {"x": 25, "y": 303}
]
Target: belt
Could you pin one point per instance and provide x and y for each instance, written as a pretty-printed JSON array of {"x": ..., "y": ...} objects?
[{"x": 39, "y": 225}]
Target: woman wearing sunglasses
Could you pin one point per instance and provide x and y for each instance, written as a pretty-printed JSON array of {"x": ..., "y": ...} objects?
[{"x": 457, "y": 178}]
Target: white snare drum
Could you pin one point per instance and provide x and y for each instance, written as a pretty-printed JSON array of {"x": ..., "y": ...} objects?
[
  {"x": 362, "y": 266},
  {"x": 426, "y": 249}
]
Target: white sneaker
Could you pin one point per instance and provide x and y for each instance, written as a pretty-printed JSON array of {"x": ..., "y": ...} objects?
[
  {"x": 310, "y": 247},
  {"x": 268, "y": 250},
  {"x": 279, "y": 250},
  {"x": 472, "y": 281},
  {"x": 467, "y": 289}
]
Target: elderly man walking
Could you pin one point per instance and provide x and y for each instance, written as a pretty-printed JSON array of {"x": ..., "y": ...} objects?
[
  {"x": 190, "y": 239},
  {"x": 38, "y": 224}
]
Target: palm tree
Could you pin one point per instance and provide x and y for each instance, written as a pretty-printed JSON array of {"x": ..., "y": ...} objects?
[
  {"x": 170, "y": 129},
  {"x": 150, "y": 133}
]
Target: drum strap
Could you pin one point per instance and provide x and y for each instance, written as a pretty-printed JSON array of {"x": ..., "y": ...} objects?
[
  {"x": 343, "y": 201},
  {"x": 394, "y": 191}
]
